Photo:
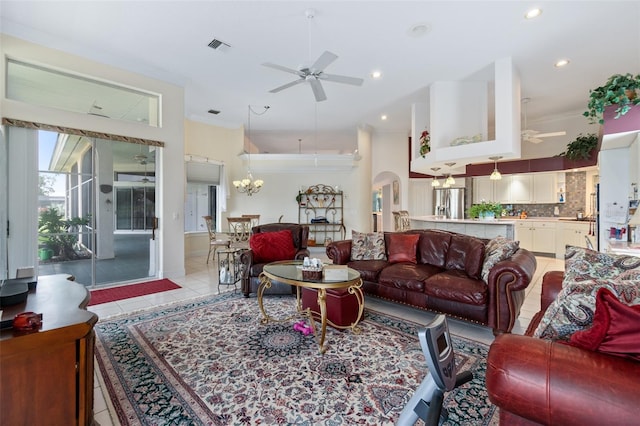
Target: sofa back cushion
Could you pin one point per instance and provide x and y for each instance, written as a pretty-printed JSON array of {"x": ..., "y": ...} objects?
[
  {"x": 402, "y": 247},
  {"x": 466, "y": 253},
  {"x": 433, "y": 247},
  {"x": 272, "y": 246}
]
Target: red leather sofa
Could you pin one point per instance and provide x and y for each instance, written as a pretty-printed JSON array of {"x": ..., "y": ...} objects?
[
  {"x": 541, "y": 382},
  {"x": 446, "y": 277}
]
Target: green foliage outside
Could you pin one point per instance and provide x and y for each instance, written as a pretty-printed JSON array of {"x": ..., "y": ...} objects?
[{"x": 59, "y": 234}]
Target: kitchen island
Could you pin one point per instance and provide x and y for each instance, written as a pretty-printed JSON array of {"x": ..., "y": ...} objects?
[{"x": 474, "y": 227}]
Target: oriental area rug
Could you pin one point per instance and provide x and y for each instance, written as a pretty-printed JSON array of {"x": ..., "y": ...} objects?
[{"x": 210, "y": 361}]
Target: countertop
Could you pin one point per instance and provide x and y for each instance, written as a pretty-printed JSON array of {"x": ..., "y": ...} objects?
[{"x": 508, "y": 220}]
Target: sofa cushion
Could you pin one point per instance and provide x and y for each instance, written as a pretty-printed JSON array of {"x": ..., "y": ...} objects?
[
  {"x": 407, "y": 276},
  {"x": 615, "y": 329},
  {"x": 369, "y": 269},
  {"x": 456, "y": 286},
  {"x": 433, "y": 247},
  {"x": 402, "y": 247},
  {"x": 573, "y": 309},
  {"x": 466, "y": 253},
  {"x": 272, "y": 246},
  {"x": 582, "y": 264},
  {"x": 367, "y": 246},
  {"x": 497, "y": 250}
]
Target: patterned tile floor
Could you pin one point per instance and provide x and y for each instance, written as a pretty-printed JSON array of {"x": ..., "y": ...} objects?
[{"x": 202, "y": 279}]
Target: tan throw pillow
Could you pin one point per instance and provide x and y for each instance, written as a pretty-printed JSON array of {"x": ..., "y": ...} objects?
[
  {"x": 497, "y": 250},
  {"x": 575, "y": 305},
  {"x": 367, "y": 246}
]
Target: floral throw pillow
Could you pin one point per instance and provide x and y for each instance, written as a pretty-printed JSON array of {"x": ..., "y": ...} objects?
[
  {"x": 581, "y": 264},
  {"x": 367, "y": 246},
  {"x": 497, "y": 250},
  {"x": 573, "y": 310}
]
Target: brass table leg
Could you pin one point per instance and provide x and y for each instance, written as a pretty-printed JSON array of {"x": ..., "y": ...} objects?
[{"x": 265, "y": 283}]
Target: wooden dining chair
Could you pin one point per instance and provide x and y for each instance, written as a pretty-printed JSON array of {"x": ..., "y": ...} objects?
[
  {"x": 255, "y": 220},
  {"x": 214, "y": 242},
  {"x": 239, "y": 230}
]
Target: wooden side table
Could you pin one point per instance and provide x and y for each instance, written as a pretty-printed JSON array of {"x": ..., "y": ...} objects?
[{"x": 47, "y": 375}]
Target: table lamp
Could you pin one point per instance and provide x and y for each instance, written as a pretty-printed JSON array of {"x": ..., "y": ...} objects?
[{"x": 634, "y": 223}]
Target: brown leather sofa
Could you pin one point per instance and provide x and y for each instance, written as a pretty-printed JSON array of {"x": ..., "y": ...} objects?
[
  {"x": 252, "y": 270},
  {"x": 541, "y": 382},
  {"x": 446, "y": 278}
]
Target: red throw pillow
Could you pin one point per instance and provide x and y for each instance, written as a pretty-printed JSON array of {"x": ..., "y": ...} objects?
[
  {"x": 402, "y": 247},
  {"x": 272, "y": 246},
  {"x": 615, "y": 329}
]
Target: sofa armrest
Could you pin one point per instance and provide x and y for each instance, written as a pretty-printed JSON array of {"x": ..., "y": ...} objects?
[
  {"x": 551, "y": 286},
  {"x": 554, "y": 383},
  {"x": 339, "y": 252},
  {"x": 301, "y": 254},
  {"x": 507, "y": 283}
]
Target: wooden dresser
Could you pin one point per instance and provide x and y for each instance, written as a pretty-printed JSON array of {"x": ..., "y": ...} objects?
[{"x": 46, "y": 377}]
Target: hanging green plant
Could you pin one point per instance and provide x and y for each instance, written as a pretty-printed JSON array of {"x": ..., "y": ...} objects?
[
  {"x": 581, "y": 147},
  {"x": 618, "y": 90}
]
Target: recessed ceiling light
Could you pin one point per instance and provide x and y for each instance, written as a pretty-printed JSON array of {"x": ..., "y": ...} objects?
[
  {"x": 383, "y": 117},
  {"x": 562, "y": 63},
  {"x": 376, "y": 74},
  {"x": 419, "y": 29},
  {"x": 533, "y": 13}
]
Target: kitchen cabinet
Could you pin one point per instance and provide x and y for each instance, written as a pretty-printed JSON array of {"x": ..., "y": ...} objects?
[
  {"x": 527, "y": 188},
  {"x": 537, "y": 236},
  {"x": 572, "y": 233},
  {"x": 482, "y": 189}
]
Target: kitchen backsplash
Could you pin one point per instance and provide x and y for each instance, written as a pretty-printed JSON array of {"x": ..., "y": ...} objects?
[{"x": 575, "y": 193}]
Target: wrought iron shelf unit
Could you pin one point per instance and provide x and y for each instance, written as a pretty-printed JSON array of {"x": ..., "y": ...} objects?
[{"x": 321, "y": 208}]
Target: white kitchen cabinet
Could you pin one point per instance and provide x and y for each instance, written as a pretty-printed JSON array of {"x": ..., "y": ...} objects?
[
  {"x": 521, "y": 189},
  {"x": 544, "y": 188},
  {"x": 502, "y": 190},
  {"x": 482, "y": 189},
  {"x": 572, "y": 233},
  {"x": 537, "y": 236}
]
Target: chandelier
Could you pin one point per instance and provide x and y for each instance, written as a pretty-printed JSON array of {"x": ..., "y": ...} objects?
[{"x": 249, "y": 185}]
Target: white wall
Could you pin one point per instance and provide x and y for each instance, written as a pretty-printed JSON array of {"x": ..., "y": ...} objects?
[{"x": 170, "y": 190}]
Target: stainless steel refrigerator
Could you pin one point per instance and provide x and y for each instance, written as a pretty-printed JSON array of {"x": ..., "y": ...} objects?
[{"x": 449, "y": 202}]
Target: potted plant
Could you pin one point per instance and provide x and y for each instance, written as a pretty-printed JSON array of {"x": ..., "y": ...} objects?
[
  {"x": 485, "y": 210},
  {"x": 581, "y": 147},
  {"x": 618, "y": 90},
  {"x": 425, "y": 145}
]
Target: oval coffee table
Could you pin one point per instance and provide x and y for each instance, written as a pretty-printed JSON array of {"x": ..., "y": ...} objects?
[{"x": 289, "y": 272}]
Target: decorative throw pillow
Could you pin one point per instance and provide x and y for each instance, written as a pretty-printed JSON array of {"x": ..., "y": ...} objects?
[
  {"x": 403, "y": 247},
  {"x": 582, "y": 264},
  {"x": 367, "y": 246},
  {"x": 574, "y": 307},
  {"x": 497, "y": 250},
  {"x": 272, "y": 246},
  {"x": 615, "y": 329}
]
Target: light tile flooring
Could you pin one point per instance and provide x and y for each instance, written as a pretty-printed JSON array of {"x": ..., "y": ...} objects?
[{"x": 202, "y": 279}]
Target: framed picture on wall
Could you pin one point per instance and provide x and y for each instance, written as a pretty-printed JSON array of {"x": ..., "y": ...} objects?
[{"x": 396, "y": 192}]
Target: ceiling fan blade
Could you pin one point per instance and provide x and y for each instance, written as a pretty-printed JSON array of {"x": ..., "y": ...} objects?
[
  {"x": 533, "y": 140},
  {"x": 286, "y": 86},
  {"x": 323, "y": 61},
  {"x": 551, "y": 134},
  {"x": 285, "y": 69},
  {"x": 318, "y": 91},
  {"x": 341, "y": 79},
  {"x": 528, "y": 133}
]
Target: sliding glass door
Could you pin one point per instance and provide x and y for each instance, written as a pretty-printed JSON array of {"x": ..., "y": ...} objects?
[{"x": 94, "y": 208}]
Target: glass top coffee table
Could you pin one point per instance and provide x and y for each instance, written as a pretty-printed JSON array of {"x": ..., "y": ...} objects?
[{"x": 290, "y": 272}]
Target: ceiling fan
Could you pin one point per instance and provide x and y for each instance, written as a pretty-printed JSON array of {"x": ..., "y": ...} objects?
[
  {"x": 534, "y": 136},
  {"x": 314, "y": 74}
]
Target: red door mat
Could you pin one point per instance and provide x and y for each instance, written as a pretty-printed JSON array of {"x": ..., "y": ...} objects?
[{"x": 132, "y": 290}]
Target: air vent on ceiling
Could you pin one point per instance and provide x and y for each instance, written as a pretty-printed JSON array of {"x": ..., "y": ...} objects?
[
  {"x": 213, "y": 111},
  {"x": 217, "y": 44}
]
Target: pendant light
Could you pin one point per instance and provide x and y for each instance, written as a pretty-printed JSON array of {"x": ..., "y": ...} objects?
[
  {"x": 450, "y": 180},
  {"x": 495, "y": 175},
  {"x": 248, "y": 185},
  {"x": 435, "y": 182}
]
